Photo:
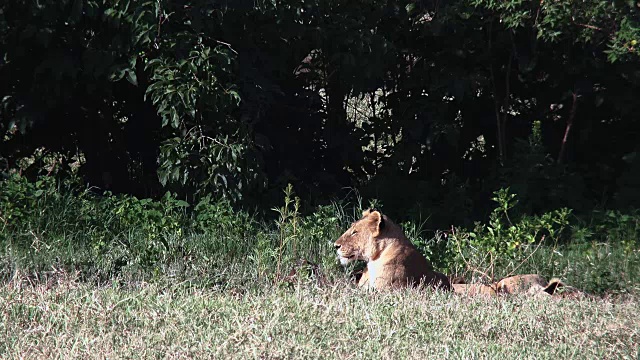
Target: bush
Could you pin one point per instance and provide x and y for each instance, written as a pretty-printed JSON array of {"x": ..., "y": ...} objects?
[
  {"x": 504, "y": 243},
  {"x": 48, "y": 222},
  {"x": 47, "y": 225}
]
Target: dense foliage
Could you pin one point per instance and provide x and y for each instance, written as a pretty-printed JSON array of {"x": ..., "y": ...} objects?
[
  {"x": 424, "y": 104},
  {"x": 47, "y": 227}
]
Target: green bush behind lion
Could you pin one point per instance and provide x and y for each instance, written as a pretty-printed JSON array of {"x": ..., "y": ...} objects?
[{"x": 49, "y": 224}]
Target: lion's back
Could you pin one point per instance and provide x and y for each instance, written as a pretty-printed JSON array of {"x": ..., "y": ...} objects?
[{"x": 408, "y": 265}]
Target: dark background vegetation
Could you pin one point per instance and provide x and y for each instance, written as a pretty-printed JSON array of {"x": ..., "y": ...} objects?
[{"x": 428, "y": 107}]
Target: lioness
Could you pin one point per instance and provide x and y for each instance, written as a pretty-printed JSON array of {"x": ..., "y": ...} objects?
[
  {"x": 392, "y": 260},
  {"x": 531, "y": 284}
]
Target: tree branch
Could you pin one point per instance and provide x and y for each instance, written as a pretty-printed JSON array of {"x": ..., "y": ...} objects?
[{"x": 572, "y": 114}]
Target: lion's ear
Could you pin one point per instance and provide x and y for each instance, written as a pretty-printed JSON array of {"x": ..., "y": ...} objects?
[
  {"x": 366, "y": 213},
  {"x": 553, "y": 285},
  {"x": 378, "y": 219}
]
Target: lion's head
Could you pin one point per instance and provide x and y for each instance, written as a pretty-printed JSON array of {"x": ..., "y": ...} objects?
[{"x": 365, "y": 237}]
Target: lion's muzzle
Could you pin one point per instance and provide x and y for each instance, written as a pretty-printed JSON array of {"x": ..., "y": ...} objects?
[{"x": 344, "y": 258}]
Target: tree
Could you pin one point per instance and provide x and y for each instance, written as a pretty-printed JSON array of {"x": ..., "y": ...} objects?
[{"x": 436, "y": 98}]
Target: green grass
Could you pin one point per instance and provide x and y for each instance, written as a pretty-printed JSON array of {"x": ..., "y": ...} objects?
[
  {"x": 132, "y": 240},
  {"x": 64, "y": 318},
  {"x": 596, "y": 268}
]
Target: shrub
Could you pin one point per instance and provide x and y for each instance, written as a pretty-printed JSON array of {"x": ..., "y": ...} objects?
[
  {"x": 503, "y": 242},
  {"x": 49, "y": 225}
]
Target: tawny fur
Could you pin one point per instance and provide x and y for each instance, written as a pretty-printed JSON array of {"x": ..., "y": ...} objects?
[
  {"x": 474, "y": 290},
  {"x": 392, "y": 260},
  {"x": 528, "y": 284}
]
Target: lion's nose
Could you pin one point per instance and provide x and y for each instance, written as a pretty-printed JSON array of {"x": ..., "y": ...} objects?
[{"x": 336, "y": 246}]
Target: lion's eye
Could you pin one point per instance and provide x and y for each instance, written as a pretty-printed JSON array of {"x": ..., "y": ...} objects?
[{"x": 354, "y": 232}]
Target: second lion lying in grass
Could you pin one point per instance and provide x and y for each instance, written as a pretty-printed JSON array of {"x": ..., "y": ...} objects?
[
  {"x": 528, "y": 284},
  {"x": 392, "y": 260}
]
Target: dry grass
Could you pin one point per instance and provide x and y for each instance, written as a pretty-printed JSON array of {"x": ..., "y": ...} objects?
[{"x": 70, "y": 319}]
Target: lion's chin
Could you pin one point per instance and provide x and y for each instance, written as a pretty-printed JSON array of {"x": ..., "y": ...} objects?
[{"x": 346, "y": 260}]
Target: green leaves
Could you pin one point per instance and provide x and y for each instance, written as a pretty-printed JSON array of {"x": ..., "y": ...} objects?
[
  {"x": 324, "y": 94},
  {"x": 192, "y": 88},
  {"x": 624, "y": 45},
  {"x": 219, "y": 166},
  {"x": 131, "y": 77},
  {"x": 189, "y": 88},
  {"x": 589, "y": 22}
]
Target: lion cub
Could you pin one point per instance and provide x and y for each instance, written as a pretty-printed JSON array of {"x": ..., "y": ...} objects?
[{"x": 392, "y": 260}]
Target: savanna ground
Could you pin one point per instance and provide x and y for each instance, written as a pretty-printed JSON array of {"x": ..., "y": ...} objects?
[
  {"x": 86, "y": 276},
  {"x": 65, "y": 318}
]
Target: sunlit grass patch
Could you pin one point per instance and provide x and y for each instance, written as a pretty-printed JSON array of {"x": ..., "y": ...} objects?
[{"x": 69, "y": 319}]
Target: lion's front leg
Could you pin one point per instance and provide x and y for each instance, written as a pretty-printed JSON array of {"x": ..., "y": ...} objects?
[{"x": 364, "y": 279}]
